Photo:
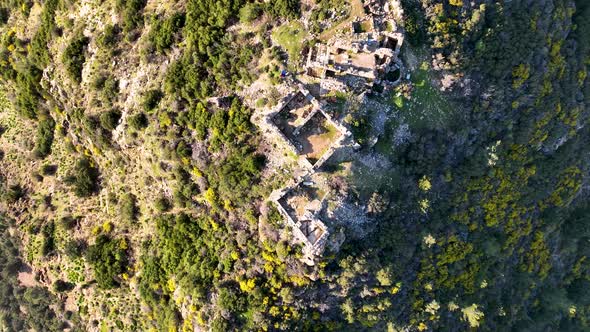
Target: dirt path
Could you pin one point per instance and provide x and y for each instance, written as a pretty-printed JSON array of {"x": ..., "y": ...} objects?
[{"x": 357, "y": 10}]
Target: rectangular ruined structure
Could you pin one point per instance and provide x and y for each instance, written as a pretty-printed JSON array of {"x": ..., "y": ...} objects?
[
  {"x": 313, "y": 135},
  {"x": 365, "y": 58},
  {"x": 300, "y": 205},
  {"x": 306, "y": 128}
]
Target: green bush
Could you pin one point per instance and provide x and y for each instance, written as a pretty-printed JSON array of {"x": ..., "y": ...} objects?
[
  {"x": 44, "y": 139},
  {"x": 108, "y": 86},
  {"x": 74, "y": 248},
  {"x": 14, "y": 193},
  {"x": 27, "y": 91},
  {"x": 162, "y": 32},
  {"x": 151, "y": 99},
  {"x": 4, "y": 15},
  {"x": 39, "y": 49},
  {"x": 138, "y": 121},
  {"x": 67, "y": 222},
  {"x": 162, "y": 204},
  {"x": 84, "y": 178},
  {"x": 60, "y": 286},
  {"x": 48, "y": 236},
  {"x": 73, "y": 58},
  {"x": 250, "y": 12},
  {"x": 284, "y": 8},
  {"x": 48, "y": 169},
  {"x": 183, "y": 150},
  {"x": 108, "y": 38},
  {"x": 109, "y": 119},
  {"x": 128, "y": 207},
  {"x": 132, "y": 13},
  {"x": 108, "y": 258}
]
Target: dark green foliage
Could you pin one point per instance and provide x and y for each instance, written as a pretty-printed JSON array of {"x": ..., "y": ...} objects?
[
  {"x": 236, "y": 174},
  {"x": 4, "y": 15},
  {"x": 74, "y": 248},
  {"x": 110, "y": 119},
  {"x": 132, "y": 13},
  {"x": 68, "y": 222},
  {"x": 27, "y": 91},
  {"x": 138, "y": 121},
  {"x": 128, "y": 207},
  {"x": 214, "y": 60},
  {"x": 163, "y": 31},
  {"x": 14, "y": 193},
  {"x": 108, "y": 39},
  {"x": 162, "y": 204},
  {"x": 250, "y": 12},
  {"x": 361, "y": 129},
  {"x": 108, "y": 86},
  {"x": 48, "y": 170},
  {"x": 61, "y": 286},
  {"x": 44, "y": 139},
  {"x": 109, "y": 259},
  {"x": 183, "y": 150},
  {"x": 176, "y": 249},
  {"x": 413, "y": 22},
  {"x": 284, "y": 8},
  {"x": 84, "y": 178},
  {"x": 151, "y": 99},
  {"x": 39, "y": 50},
  {"x": 73, "y": 57},
  {"x": 48, "y": 237}
]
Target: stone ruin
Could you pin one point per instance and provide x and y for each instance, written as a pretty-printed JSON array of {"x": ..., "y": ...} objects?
[
  {"x": 364, "y": 61},
  {"x": 367, "y": 59},
  {"x": 311, "y": 133}
]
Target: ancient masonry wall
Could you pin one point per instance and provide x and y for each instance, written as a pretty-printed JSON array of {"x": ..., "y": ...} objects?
[{"x": 316, "y": 248}]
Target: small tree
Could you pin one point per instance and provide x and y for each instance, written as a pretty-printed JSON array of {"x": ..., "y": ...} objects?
[
  {"x": 138, "y": 121},
  {"x": 162, "y": 204},
  {"x": 84, "y": 179},
  {"x": 128, "y": 207}
]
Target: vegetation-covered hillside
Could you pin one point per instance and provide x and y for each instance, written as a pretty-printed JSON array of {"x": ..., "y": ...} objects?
[{"x": 136, "y": 168}]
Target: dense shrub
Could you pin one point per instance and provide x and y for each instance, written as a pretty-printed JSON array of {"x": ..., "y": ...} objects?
[
  {"x": 162, "y": 204},
  {"x": 73, "y": 57},
  {"x": 74, "y": 248},
  {"x": 108, "y": 38},
  {"x": 109, "y": 259},
  {"x": 132, "y": 13},
  {"x": 60, "y": 286},
  {"x": 163, "y": 30},
  {"x": 151, "y": 99},
  {"x": 128, "y": 207},
  {"x": 250, "y": 12},
  {"x": 4, "y": 15},
  {"x": 48, "y": 238},
  {"x": 84, "y": 178},
  {"x": 183, "y": 150},
  {"x": 39, "y": 49},
  {"x": 14, "y": 193},
  {"x": 138, "y": 121},
  {"x": 48, "y": 169},
  {"x": 23, "y": 308},
  {"x": 44, "y": 138},
  {"x": 110, "y": 119},
  {"x": 27, "y": 91},
  {"x": 284, "y": 8}
]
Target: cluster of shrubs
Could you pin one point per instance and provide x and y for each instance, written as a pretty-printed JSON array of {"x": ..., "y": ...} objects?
[
  {"x": 84, "y": 178},
  {"x": 108, "y": 258},
  {"x": 73, "y": 57},
  {"x": 163, "y": 31}
]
